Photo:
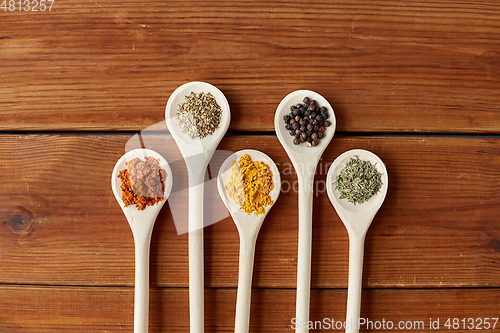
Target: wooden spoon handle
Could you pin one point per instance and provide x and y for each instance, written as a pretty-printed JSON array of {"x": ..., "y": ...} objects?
[
  {"x": 243, "y": 298},
  {"x": 141, "y": 296},
  {"x": 304, "y": 252},
  {"x": 195, "y": 240},
  {"x": 356, "y": 249}
]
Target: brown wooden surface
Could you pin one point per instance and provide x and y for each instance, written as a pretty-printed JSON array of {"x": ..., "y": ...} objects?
[
  {"x": 77, "y": 83},
  {"x": 387, "y": 66},
  {"x": 74, "y": 309}
]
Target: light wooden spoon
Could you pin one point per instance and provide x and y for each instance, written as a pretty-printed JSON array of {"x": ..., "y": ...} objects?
[
  {"x": 197, "y": 153},
  {"x": 248, "y": 226},
  {"x": 357, "y": 219},
  {"x": 141, "y": 222},
  {"x": 305, "y": 160}
]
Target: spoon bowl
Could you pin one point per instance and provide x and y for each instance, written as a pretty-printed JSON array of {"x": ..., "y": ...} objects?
[
  {"x": 357, "y": 219},
  {"x": 248, "y": 226},
  {"x": 196, "y": 153},
  {"x": 305, "y": 160},
  {"x": 141, "y": 222}
]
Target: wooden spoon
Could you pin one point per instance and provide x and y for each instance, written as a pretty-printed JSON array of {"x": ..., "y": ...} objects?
[
  {"x": 357, "y": 219},
  {"x": 197, "y": 153},
  {"x": 248, "y": 226},
  {"x": 141, "y": 222},
  {"x": 305, "y": 160}
]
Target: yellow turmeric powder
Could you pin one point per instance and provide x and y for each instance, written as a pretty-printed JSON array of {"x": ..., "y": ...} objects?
[{"x": 250, "y": 185}]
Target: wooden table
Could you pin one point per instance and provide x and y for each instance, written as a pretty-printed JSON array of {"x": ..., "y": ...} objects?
[{"x": 415, "y": 82}]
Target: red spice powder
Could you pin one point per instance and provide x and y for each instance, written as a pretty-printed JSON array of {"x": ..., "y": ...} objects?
[{"x": 142, "y": 182}]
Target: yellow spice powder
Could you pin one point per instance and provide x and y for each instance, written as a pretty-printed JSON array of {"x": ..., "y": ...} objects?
[{"x": 250, "y": 185}]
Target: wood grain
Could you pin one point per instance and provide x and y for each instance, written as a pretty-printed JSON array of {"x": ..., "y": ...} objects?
[
  {"x": 385, "y": 66},
  {"x": 438, "y": 227},
  {"x": 56, "y": 309}
]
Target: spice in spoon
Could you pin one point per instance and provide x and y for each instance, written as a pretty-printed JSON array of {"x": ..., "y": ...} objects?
[
  {"x": 250, "y": 185},
  {"x": 358, "y": 181},
  {"x": 142, "y": 182},
  {"x": 307, "y": 122},
  {"x": 199, "y": 115}
]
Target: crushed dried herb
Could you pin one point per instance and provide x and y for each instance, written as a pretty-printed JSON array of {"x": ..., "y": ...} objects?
[
  {"x": 142, "y": 182},
  {"x": 250, "y": 185},
  {"x": 199, "y": 115},
  {"x": 358, "y": 181}
]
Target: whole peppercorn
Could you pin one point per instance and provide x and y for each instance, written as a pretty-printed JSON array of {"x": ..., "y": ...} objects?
[{"x": 307, "y": 122}]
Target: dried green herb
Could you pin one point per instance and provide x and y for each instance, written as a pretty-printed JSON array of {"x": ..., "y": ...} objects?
[
  {"x": 358, "y": 181},
  {"x": 199, "y": 115}
]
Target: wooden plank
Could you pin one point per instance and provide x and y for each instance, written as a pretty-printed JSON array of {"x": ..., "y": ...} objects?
[
  {"x": 438, "y": 227},
  {"x": 51, "y": 309},
  {"x": 385, "y": 66}
]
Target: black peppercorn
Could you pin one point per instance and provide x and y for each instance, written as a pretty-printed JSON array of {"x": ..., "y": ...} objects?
[{"x": 307, "y": 122}]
